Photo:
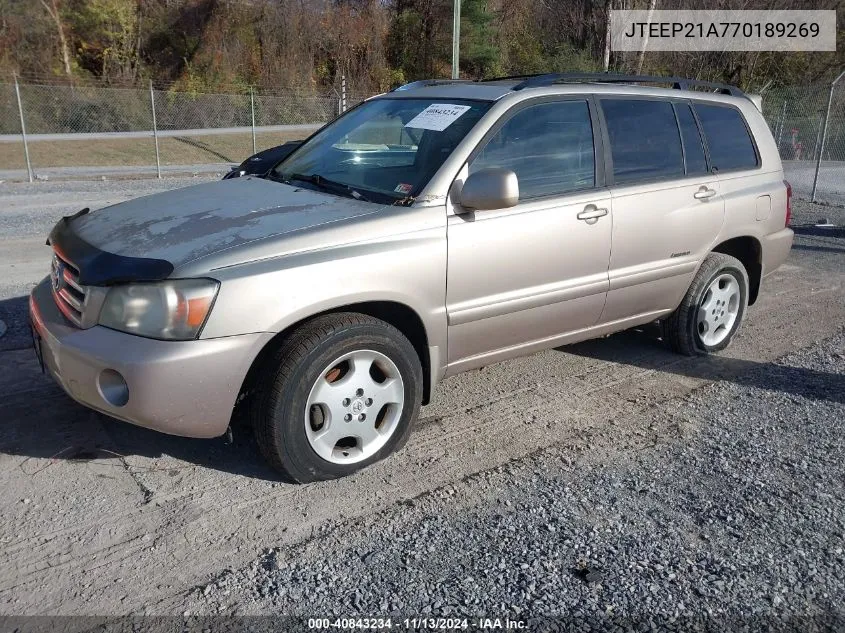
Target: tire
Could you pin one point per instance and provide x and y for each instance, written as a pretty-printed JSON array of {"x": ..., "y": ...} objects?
[
  {"x": 687, "y": 330},
  {"x": 297, "y": 412}
]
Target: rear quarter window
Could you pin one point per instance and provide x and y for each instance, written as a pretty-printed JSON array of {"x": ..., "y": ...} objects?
[{"x": 728, "y": 139}]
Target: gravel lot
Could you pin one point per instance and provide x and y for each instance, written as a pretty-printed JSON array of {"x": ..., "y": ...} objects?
[
  {"x": 100, "y": 517},
  {"x": 733, "y": 512},
  {"x": 807, "y": 213}
]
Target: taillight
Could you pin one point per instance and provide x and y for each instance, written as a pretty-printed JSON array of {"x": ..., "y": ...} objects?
[{"x": 788, "y": 202}]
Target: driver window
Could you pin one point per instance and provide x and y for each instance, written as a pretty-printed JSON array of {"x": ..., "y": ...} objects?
[{"x": 549, "y": 146}]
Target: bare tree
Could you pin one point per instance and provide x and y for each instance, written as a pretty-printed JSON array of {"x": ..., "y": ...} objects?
[
  {"x": 651, "y": 7},
  {"x": 608, "y": 7},
  {"x": 53, "y": 10}
]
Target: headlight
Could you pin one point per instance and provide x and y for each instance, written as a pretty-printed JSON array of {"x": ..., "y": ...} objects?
[{"x": 173, "y": 310}]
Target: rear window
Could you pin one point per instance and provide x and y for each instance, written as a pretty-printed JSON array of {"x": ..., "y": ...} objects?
[
  {"x": 644, "y": 140},
  {"x": 727, "y": 137},
  {"x": 693, "y": 149}
]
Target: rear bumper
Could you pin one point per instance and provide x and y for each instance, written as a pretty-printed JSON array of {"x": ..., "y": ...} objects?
[
  {"x": 776, "y": 247},
  {"x": 184, "y": 388}
]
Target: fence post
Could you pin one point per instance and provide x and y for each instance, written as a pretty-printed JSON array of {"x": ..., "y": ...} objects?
[
  {"x": 782, "y": 120},
  {"x": 343, "y": 93},
  {"x": 23, "y": 128},
  {"x": 252, "y": 109},
  {"x": 155, "y": 129},
  {"x": 824, "y": 134}
]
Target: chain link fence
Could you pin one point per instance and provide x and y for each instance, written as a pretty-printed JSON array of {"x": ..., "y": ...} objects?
[
  {"x": 808, "y": 123},
  {"x": 83, "y": 130},
  {"x": 95, "y": 130}
]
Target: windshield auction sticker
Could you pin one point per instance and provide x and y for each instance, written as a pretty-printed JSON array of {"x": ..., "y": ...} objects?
[
  {"x": 711, "y": 30},
  {"x": 437, "y": 116}
]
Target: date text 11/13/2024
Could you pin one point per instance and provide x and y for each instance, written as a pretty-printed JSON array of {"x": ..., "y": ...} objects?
[{"x": 413, "y": 624}]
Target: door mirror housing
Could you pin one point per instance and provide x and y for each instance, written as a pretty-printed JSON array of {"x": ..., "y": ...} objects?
[{"x": 491, "y": 188}]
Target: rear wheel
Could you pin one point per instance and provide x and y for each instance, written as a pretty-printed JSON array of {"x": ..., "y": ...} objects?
[
  {"x": 712, "y": 310},
  {"x": 341, "y": 393}
]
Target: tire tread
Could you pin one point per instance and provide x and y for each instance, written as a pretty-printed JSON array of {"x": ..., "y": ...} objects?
[
  {"x": 675, "y": 327},
  {"x": 281, "y": 366}
]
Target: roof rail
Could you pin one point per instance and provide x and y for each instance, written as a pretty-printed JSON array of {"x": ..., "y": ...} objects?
[
  {"x": 512, "y": 77},
  {"x": 678, "y": 83},
  {"x": 430, "y": 82}
]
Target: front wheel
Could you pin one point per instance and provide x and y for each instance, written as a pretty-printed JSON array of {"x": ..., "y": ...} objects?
[
  {"x": 341, "y": 393},
  {"x": 712, "y": 310}
]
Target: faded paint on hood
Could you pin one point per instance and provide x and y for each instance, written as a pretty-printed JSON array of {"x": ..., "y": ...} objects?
[{"x": 185, "y": 224}]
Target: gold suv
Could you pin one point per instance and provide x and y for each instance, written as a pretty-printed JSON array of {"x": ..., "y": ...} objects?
[{"x": 438, "y": 228}]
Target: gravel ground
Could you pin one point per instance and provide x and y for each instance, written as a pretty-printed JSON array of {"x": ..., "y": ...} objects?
[
  {"x": 85, "y": 536},
  {"x": 32, "y": 209},
  {"x": 807, "y": 213},
  {"x": 732, "y": 515}
]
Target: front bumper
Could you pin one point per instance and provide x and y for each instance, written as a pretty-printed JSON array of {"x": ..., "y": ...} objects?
[{"x": 184, "y": 388}]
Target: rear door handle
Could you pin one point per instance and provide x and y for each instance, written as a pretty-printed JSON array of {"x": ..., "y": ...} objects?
[
  {"x": 591, "y": 214},
  {"x": 704, "y": 193}
]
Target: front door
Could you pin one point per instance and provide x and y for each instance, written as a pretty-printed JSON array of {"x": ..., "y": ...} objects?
[{"x": 520, "y": 277}]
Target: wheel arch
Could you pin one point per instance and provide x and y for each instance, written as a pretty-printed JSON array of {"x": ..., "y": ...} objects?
[
  {"x": 748, "y": 250},
  {"x": 399, "y": 315}
]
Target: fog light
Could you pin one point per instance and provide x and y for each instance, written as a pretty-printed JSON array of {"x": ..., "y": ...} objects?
[{"x": 113, "y": 388}]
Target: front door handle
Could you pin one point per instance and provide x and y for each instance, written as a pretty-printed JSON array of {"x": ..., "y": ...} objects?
[
  {"x": 704, "y": 193},
  {"x": 591, "y": 214}
]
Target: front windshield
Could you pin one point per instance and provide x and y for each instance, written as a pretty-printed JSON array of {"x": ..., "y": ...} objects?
[{"x": 384, "y": 150}]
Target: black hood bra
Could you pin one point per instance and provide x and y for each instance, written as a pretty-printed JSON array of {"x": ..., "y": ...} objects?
[{"x": 101, "y": 268}]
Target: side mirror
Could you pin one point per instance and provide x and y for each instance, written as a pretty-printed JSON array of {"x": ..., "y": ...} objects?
[{"x": 492, "y": 188}]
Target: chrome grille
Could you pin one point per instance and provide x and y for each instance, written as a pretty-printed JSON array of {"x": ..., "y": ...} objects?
[{"x": 69, "y": 295}]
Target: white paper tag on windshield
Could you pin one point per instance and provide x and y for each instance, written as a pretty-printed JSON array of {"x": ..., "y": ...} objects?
[{"x": 437, "y": 116}]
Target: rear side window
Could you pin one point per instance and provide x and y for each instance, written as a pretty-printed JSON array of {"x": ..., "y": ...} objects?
[
  {"x": 693, "y": 149},
  {"x": 549, "y": 146},
  {"x": 727, "y": 137},
  {"x": 644, "y": 140}
]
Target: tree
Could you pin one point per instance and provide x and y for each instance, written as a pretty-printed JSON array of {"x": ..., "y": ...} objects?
[
  {"x": 608, "y": 7},
  {"x": 54, "y": 11},
  {"x": 108, "y": 36},
  {"x": 479, "y": 53},
  {"x": 641, "y": 59}
]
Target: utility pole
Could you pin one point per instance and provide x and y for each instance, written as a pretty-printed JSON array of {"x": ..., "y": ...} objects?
[{"x": 456, "y": 38}]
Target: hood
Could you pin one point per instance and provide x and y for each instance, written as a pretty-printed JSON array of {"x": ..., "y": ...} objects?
[{"x": 182, "y": 225}]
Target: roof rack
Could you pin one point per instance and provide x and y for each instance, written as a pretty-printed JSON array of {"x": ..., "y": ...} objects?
[
  {"x": 678, "y": 83},
  {"x": 430, "y": 82}
]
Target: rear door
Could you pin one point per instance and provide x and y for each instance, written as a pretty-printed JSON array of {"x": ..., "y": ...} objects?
[
  {"x": 750, "y": 191},
  {"x": 667, "y": 205}
]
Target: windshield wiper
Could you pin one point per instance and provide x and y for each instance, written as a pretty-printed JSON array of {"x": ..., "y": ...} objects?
[{"x": 325, "y": 184}]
